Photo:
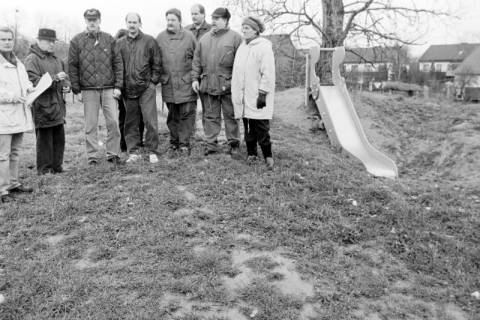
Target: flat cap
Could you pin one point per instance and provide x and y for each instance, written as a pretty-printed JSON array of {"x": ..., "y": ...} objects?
[{"x": 92, "y": 14}]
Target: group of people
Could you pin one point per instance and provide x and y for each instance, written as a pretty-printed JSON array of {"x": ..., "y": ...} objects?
[{"x": 231, "y": 75}]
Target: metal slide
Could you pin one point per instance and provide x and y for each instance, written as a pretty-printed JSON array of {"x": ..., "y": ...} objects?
[{"x": 341, "y": 120}]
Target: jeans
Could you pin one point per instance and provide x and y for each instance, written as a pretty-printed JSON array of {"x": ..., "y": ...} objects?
[
  {"x": 257, "y": 131},
  {"x": 181, "y": 123},
  {"x": 9, "y": 151},
  {"x": 93, "y": 100},
  {"x": 147, "y": 104},
  {"x": 214, "y": 106},
  {"x": 121, "y": 123},
  {"x": 50, "y": 149}
]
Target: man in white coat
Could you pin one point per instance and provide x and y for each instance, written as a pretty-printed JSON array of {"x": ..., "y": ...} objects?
[
  {"x": 15, "y": 116},
  {"x": 253, "y": 89}
]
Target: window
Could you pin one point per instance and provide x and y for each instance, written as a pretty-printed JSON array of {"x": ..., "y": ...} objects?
[
  {"x": 354, "y": 68},
  {"x": 438, "y": 67},
  {"x": 426, "y": 67}
]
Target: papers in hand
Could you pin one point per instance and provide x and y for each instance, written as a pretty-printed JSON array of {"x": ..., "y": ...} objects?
[{"x": 44, "y": 83}]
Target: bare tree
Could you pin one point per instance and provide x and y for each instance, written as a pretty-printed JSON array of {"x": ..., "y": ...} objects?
[
  {"x": 333, "y": 21},
  {"x": 464, "y": 77}
]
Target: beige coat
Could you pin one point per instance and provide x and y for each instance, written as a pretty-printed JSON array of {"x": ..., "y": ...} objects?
[
  {"x": 14, "y": 117},
  {"x": 253, "y": 70}
]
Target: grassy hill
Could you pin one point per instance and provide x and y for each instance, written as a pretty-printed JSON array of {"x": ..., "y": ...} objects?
[{"x": 213, "y": 238}]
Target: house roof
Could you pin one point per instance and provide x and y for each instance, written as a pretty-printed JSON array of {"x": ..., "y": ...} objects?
[
  {"x": 370, "y": 55},
  {"x": 471, "y": 65},
  {"x": 448, "y": 52}
]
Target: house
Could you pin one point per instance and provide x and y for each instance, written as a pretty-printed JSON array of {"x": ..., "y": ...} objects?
[
  {"x": 445, "y": 58},
  {"x": 379, "y": 63},
  {"x": 467, "y": 77}
]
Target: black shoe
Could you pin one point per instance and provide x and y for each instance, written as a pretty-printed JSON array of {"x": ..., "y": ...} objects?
[
  {"x": 115, "y": 160},
  {"x": 209, "y": 151},
  {"x": 21, "y": 188},
  {"x": 235, "y": 153},
  {"x": 92, "y": 162},
  {"x": 7, "y": 198}
]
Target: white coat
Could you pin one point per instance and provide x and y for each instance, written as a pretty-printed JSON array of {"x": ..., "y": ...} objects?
[
  {"x": 253, "y": 70},
  {"x": 14, "y": 117}
]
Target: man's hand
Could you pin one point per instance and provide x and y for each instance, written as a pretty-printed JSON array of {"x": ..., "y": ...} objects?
[
  {"x": 261, "y": 100},
  {"x": 65, "y": 89},
  {"x": 196, "y": 86},
  {"x": 61, "y": 76},
  {"x": 79, "y": 97},
  {"x": 117, "y": 93}
]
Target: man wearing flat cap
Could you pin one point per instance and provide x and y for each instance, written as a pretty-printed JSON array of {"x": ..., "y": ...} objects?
[
  {"x": 212, "y": 75},
  {"x": 95, "y": 69},
  {"x": 49, "y": 109}
]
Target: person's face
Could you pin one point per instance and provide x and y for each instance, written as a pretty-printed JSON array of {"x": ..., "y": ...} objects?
[
  {"x": 6, "y": 41},
  {"x": 197, "y": 17},
  {"x": 173, "y": 23},
  {"x": 248, "y": 32},
  {"x": 46, "y": 45},
  {"x": 133, "y": 23},
  {"x": 218, "y": 23},
  {"x": 93, "y": 24}
]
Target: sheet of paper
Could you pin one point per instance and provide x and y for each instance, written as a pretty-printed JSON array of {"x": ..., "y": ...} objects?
[{"x": 44, "y": 83}]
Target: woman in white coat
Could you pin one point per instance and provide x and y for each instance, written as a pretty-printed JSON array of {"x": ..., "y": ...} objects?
[
  {"x": 253, "y": 89},
  {"x": 15, "y": 116}
]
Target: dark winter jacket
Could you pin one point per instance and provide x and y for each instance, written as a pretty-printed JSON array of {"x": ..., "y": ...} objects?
[
  {"x": 48, "y": 109},
  {"x": 94, "y": 62},
  {"x": 213, "y": 61},
  {"x": 200, "y": 32},
  {"x": 142, "y": 63},
  {"x": 177, "y": 53}
]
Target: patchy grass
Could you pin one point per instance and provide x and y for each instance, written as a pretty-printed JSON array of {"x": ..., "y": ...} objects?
[{"x": 161, "y": 241}]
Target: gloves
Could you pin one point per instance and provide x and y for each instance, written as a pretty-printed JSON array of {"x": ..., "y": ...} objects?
[{"x": 261, "y": 100}]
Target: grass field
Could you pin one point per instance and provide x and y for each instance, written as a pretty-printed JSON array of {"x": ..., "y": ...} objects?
[{"x": 213, "y": 238}]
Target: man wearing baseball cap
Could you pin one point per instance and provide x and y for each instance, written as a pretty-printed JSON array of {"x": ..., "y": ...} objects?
[
  {"x": 49, "y": 109},
  {"x": 211, "y": 75},
  {"x": 95, "y": 68}
]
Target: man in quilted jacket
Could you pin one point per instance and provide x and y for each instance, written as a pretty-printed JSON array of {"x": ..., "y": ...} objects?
[{"x": 95, "y": 69}]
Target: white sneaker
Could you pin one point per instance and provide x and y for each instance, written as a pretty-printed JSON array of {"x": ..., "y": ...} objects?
[
  {"x": 133, "y": 158},
  {"x": 153, "y": 158}
]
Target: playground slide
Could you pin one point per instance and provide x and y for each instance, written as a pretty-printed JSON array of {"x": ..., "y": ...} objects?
[{"x": 343, "y": 125}]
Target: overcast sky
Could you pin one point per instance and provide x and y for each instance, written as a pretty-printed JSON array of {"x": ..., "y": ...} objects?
[{"x": 33, "y": 14}]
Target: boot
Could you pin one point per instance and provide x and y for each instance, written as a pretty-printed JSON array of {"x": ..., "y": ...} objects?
[{"x": 270, "y": 163}]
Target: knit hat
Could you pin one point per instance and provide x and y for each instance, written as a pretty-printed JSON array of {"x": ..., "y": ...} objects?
[
  {"x": 255, "y": 23},
  {"x": 92, "y": 14},
  {"x": 176, "y": 12}
]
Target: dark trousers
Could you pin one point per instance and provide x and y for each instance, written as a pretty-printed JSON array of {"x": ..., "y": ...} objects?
[
  {"x": 181, "y": 123},
  {"x": 214, "y": 106},
  {"x": 147, "y": 104},
  {"x": 121, "y": 123},
  {"x": 257, "y": 131},
  {"x": 50, "y": 149}
]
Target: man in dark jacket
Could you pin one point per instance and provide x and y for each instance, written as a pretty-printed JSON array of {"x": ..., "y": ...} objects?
[
  {"x": 122, "y": 109},
  {"x": 49, "y": 109},
  {"x": 211, "y": 75},
  {"x": 142, "y": 67},
  {"x": 199, "y": 27},
  {"x": 96, "y": 70},
  {"x": 177, "y": 47}
]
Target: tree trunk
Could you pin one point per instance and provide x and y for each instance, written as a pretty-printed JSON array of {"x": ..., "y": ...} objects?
[{"x": 333, "y": 13}]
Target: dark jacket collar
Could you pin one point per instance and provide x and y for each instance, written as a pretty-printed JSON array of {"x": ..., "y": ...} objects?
[
  {"x": 220, "y": 32},
  {"x": 35, "y": 49},
  {"x": 203, "y": 26},
  {"x": 176, "y": 35},
  {"x": 137, "y": 37}
]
